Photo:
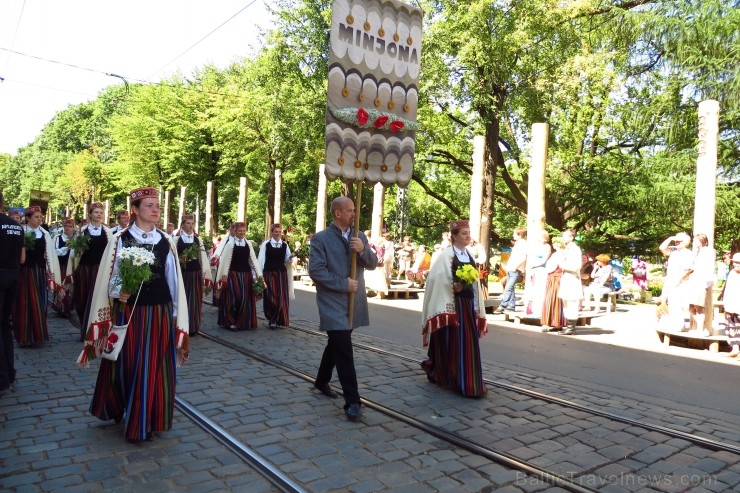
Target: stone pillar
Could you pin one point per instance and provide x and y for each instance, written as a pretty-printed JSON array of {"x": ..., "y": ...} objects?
[
  {"x": 378, "y": 207},
  {"x": 706, "y": 183},
  {"x": 476, "y": 186},
  {"x": 209, "y": 208},
  {"x": 197, "y": 215},
  {"x": 321, "y": 200},
  {"x": 278, "y": 198},
  {"x": 166, "y": 215},
  {"x": 181, "y": 211},
  {"x": 536, "y": 185},
  {"x": 241, "y": 211}
]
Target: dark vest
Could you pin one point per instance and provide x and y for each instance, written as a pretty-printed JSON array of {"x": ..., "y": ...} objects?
[
  {"x": 96, "y": 247},
  {"x": 155, "y": 291},
  {"x": 192, "y": 265},
  {"x": 467, "y": 291},
  {"x": 275, "y": 257},
  {"x": 240, "y": 258},
  {"x": 37, "y": 256}
]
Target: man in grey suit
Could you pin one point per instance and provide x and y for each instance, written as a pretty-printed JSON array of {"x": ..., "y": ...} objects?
[{"x": 329, "y": 267}]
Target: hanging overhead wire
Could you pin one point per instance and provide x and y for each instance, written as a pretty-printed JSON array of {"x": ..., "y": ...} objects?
[
  {"x": 201, "y": 39},
  {"x": 15, "y": 34}
]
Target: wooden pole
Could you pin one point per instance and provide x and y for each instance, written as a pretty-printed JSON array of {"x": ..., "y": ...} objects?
[
  {"x": 321, "y": 200},
  {"x": 378, "y": 198},
  {"x": 166, "y": 216},
  {"x": 106, "y": 214},
  {"x": 197, "y": 214},
  {"x": 353, "y": 262}
]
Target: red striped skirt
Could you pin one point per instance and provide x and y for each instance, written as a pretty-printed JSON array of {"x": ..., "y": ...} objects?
[
  {"x": 552, "y": 308},
  {"x": 29, "y": 309},
  {"x": 193, "y": 281},
  {"x": 454, "y": 354},
  {"x": 276, "y": 300},
  {"x": 238, "y": 301},
  {"x": 140, "y": 385}
]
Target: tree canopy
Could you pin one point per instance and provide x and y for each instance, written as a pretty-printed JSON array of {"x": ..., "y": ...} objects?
[{"x": 618, "y": 81}]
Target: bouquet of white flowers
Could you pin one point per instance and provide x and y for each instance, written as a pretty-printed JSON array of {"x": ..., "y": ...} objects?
[{"x": 134, "y": 268}]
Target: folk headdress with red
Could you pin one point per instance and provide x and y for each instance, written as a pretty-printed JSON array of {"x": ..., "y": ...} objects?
[
  {"x": 30, "y": 211},
  {"x": 68, "y": 221},
  {"x": 144, "y": 193},
  {"x": 459, "y": 223},
  {"x": 96, "y": 205},
  {"x": 188, "y": 217},
  {"x": 239, "y": 224}
]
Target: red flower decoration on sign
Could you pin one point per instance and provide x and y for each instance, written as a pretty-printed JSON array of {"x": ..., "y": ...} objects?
[
  {"x": 396, "y": 126},
  {"x": 113, "y": 337},
  {"x": 361, "y": 116},
  {"x": 380, "y": 121}
]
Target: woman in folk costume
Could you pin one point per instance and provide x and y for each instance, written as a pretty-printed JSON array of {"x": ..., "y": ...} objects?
[
  {"x": 276, "y": 262},
  {"x": 454, "y": 318},
  {"x": 89, "y": 261},
  {"x": 238, "y": 269},
  {"x": 552, "y": 306},
  {"x": 196, "y": 271},
  {"x": 571, "y": 289},
  {"x": 140, "y": 385},
  {"x": 39, "y": 272},
  {"x": 64, "y": 304}
]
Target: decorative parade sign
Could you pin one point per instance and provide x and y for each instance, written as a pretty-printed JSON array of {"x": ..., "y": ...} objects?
[
  {"x": 374, "y": 61},
  {"x": 39, "y": 198}
]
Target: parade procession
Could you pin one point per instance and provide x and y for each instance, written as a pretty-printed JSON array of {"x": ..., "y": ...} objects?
[{"x": 369, "y": 246}]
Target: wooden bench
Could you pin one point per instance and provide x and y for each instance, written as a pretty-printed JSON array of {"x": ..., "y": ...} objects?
[
  {"x": 517, "y": 317},
  {"x": 307, "y": 280},
  {"x": 396, "y": 293},
  {"x": 684, "y": 339},
  {"x": 298, "y": 274}
]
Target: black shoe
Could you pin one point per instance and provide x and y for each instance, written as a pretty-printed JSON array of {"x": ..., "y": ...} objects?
[
  {"x": 273, "y": 326},
  {"x": 326, "y": 390},
  {"x": 568, "y": 331},
  {"x": 353, "y": 412}
]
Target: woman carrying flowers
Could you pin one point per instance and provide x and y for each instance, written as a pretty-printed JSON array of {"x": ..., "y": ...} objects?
[
  {"x": 196, "y": 270},
  {"x": 64, "y": 304},
  {"x": 89, "y": 248},
  {"x": 39, "y": 272},
  {"x": 453, "y": 317},
  {"x": 276, "y": 262},
  {"x": 140, "y": 283},
  {"x": 239, "y": 282}
]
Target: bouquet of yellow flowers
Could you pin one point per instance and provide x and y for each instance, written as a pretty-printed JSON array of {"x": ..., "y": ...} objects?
[
  {"x": 190, "y": 253},
  {"x": 466, "y": 275},
  {"x": 134, "y": 268}
]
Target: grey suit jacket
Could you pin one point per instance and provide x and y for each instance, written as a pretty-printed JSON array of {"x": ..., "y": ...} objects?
[{"x": 329, "y": 267}]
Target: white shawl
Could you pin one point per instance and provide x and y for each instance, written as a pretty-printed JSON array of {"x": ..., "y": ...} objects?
[
  {"x": 101, "y": 310},
  {"x": 438, "y": 309},
  {"x": 53, "y": 274},
  {"x": 224, "y": 264}
]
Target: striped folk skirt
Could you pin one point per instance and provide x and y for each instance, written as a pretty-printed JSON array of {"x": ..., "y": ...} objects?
[
  {"x": 29, "y": 309},
  {"x": 276, "y": 298},
  {"x": 140, "y": 385},
  {"x": 193, "y": 281},
  {"x": 238, "y": 302},
  {"x": 552, "y": 308},
  {"x": 84, "y": 284},
  {"x": 454, "y": 354}
]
